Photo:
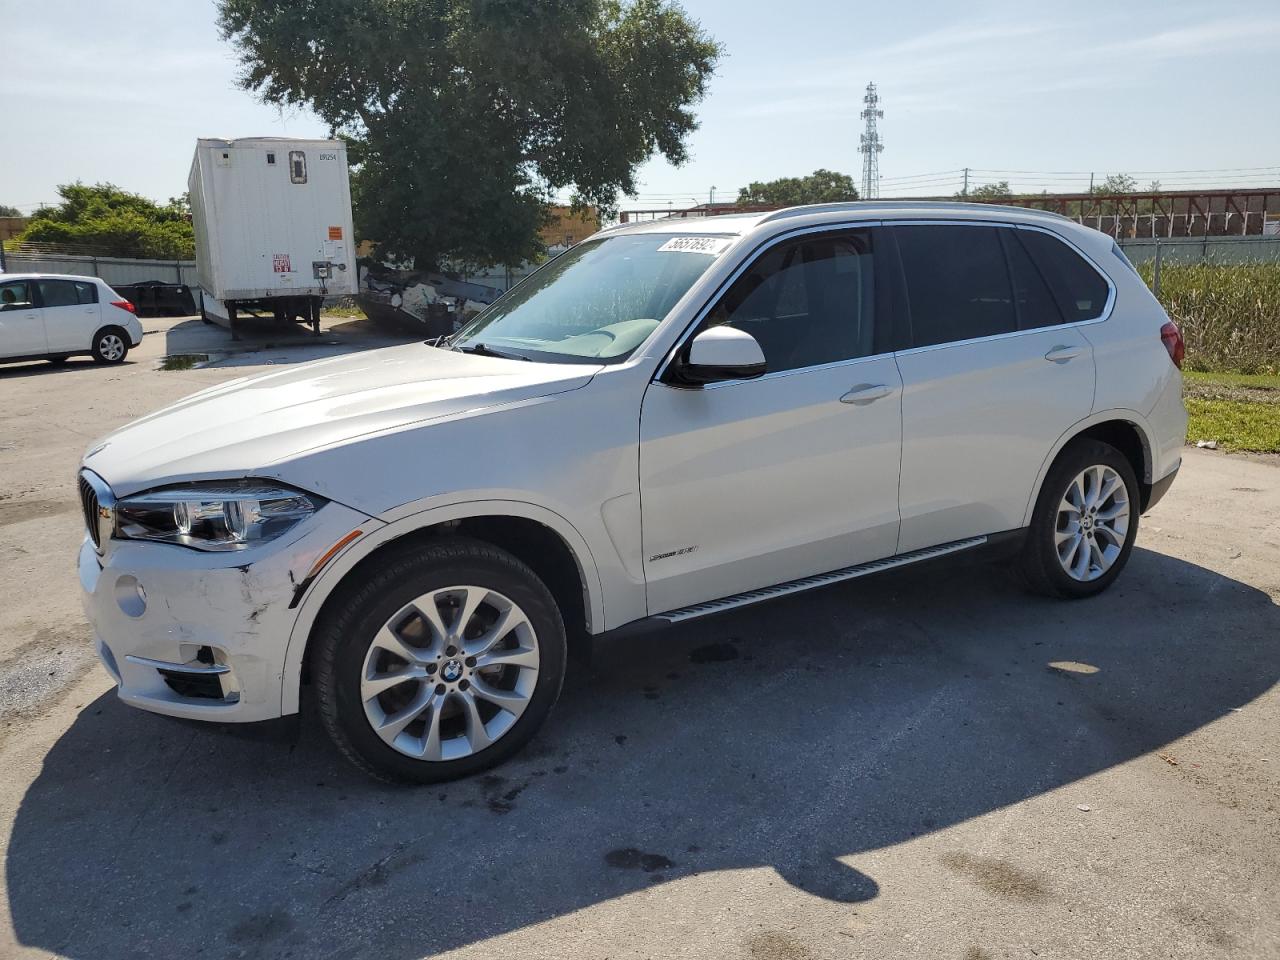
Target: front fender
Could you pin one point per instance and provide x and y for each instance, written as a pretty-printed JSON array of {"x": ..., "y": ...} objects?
[{"x": 346, "y": 560}]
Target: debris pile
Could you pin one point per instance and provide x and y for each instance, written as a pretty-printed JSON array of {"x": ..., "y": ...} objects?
[{"x": 433, "y": 303}]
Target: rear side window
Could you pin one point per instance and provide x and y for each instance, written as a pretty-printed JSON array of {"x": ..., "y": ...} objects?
[
  {"x": 1034, "y": 302},
  {"x": 85, "y": 292},
  {"x": 957, "y": 282},
  {"x": 58, "y": 293},
  {"x": 1080, "y": 290}
]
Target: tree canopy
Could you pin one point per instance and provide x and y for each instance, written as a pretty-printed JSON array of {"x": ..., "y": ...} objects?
[
  {"x": 114, "y": 223},
  {"x": 988, "y": 192},
  {"x": 8, "y": 211},
  {"x": 821, "y": 186},
  {"x": 465, "y": 117}
]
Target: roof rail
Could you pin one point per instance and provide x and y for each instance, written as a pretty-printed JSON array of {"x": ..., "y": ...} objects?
[{"x": 866, "y": 205}]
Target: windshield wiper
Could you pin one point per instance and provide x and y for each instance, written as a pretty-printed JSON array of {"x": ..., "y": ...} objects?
[{"x": 484, "y": 350}]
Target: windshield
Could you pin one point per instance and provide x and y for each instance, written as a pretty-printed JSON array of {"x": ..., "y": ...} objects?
[{"x": 595, "y": 302}]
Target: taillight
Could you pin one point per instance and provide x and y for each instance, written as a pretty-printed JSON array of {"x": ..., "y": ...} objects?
[
  {"x": 126, "y": 305},
  {"x": 1171, "y": 337}
]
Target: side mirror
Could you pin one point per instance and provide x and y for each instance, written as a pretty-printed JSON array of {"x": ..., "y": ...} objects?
[{"x": 722, "y": 353}]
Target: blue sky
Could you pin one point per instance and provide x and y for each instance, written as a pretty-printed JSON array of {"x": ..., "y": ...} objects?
[{"x": 1185, "y": 92}]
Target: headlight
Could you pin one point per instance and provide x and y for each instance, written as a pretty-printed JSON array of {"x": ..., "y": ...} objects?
[{"x": 214, "y": 516}]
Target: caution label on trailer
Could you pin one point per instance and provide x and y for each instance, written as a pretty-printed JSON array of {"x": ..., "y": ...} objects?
[
  {"x": 335, "y": 233},
  {"x": 280, "y": 263}
]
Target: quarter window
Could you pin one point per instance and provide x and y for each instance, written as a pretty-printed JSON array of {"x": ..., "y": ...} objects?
[
  {"x": 957, "y": 283},
  {"x": 1080, "y": 290},
  {"x": 807, "y": 302}
]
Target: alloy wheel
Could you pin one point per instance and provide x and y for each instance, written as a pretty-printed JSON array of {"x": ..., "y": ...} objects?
[
  {"x": 450, "y": 673},
  {"x": 111, "y": 347},
  {"x": 1092, "y": 523}
]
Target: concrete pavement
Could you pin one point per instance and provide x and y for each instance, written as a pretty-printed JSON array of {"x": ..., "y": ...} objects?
[{"x": 929, "y": 763}]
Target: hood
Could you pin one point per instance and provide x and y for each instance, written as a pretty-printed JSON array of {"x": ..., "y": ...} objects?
[{"x": 248, "y": 426}]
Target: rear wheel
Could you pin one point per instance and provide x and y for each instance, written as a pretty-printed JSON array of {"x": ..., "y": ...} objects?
[
  {"x": 443, "y": 663},
  {"x": 1085, "y": 522},
  {"x": 110, "y": 345}
]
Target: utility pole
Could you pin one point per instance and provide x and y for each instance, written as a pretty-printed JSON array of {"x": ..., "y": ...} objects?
[
  {"x": 871, "y": 145},
  {"x": 965, "y": 191},
  {"x": 711, "y": 200}
]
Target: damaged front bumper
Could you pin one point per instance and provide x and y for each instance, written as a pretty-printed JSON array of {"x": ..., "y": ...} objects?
[{"x": 203, "y": 635}]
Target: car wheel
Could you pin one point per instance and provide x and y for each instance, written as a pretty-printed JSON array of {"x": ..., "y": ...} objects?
[
  {"x": 1085, "y": 522},
  {"x": 110, "y": 345},
  {"x": 443, "y": 662}
]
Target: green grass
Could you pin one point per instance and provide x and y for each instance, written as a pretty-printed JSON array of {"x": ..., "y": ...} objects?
[{"x": 1239, "y": 411}]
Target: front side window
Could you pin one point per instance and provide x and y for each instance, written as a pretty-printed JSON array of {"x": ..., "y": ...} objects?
[
  {"x": 58, "y": 293},
  {"x": 595, "y": 302},
  {"x": 1080, "y": 290},
  {"x": 957, "y": 282},
  {"x": 807, "y": 302},
  {"x": 15, "y": 295}
]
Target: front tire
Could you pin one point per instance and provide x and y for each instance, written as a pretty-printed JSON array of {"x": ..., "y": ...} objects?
[
  {"x": 110, "y": 345},
  {"x": 1085, "y": 522},
  {"x": 443, "y": 663}
]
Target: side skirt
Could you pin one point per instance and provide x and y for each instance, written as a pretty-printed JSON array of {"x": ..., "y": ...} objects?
[{"x": 821, "y": 580}]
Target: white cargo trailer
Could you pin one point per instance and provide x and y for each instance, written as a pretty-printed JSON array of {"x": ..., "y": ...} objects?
[{"x": 272, "y": 220}]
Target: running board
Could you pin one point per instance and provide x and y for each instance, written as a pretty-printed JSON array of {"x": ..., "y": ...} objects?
[{"x": 821, "y": 580}]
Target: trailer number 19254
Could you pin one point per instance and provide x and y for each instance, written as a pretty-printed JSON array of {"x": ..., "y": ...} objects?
[{"x": 328, "y": 156}]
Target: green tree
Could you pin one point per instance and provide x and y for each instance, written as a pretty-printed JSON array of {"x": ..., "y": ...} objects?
[
  {"x": 113, "y": 223},
  {"x": 8, "y": 211},
  {"x": 821, "y": 186},
  {"x": 464, "y": 117},
  {"x": 988, "y": 192},
  {"x": 1117, "y": 183}
]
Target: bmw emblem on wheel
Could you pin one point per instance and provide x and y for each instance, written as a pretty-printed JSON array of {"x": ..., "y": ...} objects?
[{"x": 451, "y": 670}]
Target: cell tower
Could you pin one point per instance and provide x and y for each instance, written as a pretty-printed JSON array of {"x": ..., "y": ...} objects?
[{"x": 872, "y": 146}]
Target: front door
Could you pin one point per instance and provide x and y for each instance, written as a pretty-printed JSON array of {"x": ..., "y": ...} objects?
[
  {"x": 21, "y": 329},
  {"x": 749, "y": 483}
]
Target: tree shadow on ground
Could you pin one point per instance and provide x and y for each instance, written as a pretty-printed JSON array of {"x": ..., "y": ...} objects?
[{"x": 793, "y": 735}]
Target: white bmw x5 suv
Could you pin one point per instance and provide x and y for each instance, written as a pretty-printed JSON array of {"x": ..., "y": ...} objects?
[{"x": 669, "y": 420}]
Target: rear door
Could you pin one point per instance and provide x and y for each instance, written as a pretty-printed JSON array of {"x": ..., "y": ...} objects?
[
  {"x": 21, "y": 328},
  {"x": 992, "y": 376},
  {"x": 71, "y": 313}
]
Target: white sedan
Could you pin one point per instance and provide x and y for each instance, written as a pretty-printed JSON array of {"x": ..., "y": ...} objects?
[{"x": 56, "y": 317}]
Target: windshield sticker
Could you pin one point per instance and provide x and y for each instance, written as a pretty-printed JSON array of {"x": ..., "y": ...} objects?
[{"x": 711, "y": 246}]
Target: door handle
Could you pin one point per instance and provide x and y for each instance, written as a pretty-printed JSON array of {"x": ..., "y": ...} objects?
[
  {"x": 865, "y": 393},
  {"x": 1063, "y": 353}
]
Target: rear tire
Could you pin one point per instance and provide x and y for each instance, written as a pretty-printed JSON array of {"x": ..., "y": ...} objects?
[
  {"x": 1085, "y": 522},
  {"x": 110, "y": 345},
  {"x": 409, "y": 694}
]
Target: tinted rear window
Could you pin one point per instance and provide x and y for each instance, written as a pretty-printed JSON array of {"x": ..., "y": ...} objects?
[
  {"x": 58, "y": 293},
  {"x": 957, "y": 282},
  {"x": 1035, "y": 303},
  {"x": 1080, "y": 290}
]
